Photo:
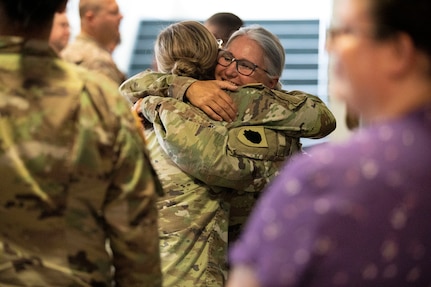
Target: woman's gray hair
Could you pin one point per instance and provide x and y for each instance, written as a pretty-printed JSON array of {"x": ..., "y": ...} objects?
[{"x": 274, "y": 55}]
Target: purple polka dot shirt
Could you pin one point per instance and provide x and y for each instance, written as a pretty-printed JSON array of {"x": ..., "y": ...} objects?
[{"x": 352, "y": 214}]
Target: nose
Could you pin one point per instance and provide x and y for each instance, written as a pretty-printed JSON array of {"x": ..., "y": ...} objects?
[
  {"x": 329, "y": 42},
  {"x": 231, "y": 70}
]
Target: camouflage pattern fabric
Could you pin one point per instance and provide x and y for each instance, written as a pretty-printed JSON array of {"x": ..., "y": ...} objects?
[
  {"x": 85, "y": 51},
  {"x": 149, "y": 83},
  {"x": 193, "y": 222},
  {"x": 238, "y": 155},
  {"x": 237, "y": 158},
  {"x": 75, "y": 177},
  {"x": 241, "y": 154}
]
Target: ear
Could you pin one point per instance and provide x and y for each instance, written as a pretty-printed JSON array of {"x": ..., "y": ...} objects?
[
  {"x": 273, "y": 82},
  {"x": 403, "y": 54}
]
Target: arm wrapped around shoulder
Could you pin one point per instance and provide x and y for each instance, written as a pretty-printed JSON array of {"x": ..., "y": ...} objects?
[{"x": 298, "y": 114}]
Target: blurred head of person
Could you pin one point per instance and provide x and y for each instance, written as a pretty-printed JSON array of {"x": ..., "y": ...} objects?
[
  {"x": 101, "y": 20},
  {"x": 186, "y": 48},
  {"x": 380, "y": 54},
  {"x": 28, "y": 18},
  {"x": 60, "y": 33},
  {"x": 223, "y": 24},
  {"x": 252, "y": 55}
]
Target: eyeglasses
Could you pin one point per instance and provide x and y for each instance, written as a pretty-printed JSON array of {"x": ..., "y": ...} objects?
[
  {"x": 382, "y": 33},
  {"x": 244, "y": 67},
  {"x": 333, "y": 33}
]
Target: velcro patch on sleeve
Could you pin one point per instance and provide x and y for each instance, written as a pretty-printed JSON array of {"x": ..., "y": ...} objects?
[{"x": 253, "y": 136}]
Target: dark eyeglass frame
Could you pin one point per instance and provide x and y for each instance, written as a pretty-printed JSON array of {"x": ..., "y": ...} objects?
[
  {"x": 243, "y": 63},
  {"x": 384, "y": 32}
]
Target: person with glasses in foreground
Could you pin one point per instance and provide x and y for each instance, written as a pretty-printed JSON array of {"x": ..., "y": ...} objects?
[
  {"x": 201, "y": 161},
  {"x": 356, "y": 213}
]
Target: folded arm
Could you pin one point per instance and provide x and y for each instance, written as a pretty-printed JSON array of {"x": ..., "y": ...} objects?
[
  {"x": 210, "y": 96},
  {"x": 243, "y": 157}
]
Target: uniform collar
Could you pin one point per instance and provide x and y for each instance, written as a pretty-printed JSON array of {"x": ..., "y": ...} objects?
[{"x": 12, "y": 44}]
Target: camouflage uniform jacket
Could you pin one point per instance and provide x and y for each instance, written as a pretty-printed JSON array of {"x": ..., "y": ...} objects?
[
  {"x": 86, "y": 52},
  {"x": 74, "y": 175}
]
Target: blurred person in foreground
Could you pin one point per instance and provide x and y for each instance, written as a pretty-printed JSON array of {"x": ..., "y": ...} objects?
[
  {"x": 99, "y": 36},
  {"x": 77, "y": 191},
  {"x": 222, "y": 25},
  {"x": 60, "y": 33},
  {"x": 356, "y": 213}
]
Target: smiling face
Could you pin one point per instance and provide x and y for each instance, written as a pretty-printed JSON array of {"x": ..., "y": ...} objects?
[{"x": 243, "y": 48}]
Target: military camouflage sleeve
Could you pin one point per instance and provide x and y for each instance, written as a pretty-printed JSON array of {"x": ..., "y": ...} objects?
[
  {"x": 242, "y": 158},
  {"x": 296, "y": 113},
  {"x": 85, "y": 51},
  {"x": 132, "y": 215},
  {"x": 129, "y": 210},
  {"x": 313, "y": 115},
  {"x": 156, "y": 84}
]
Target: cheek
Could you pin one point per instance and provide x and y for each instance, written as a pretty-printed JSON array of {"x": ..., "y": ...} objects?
[
  {"x": 219, "y": 72},
  {"x": 111, "y": 22},
  {"x": 350, "y": 72},
  {"x": 254, "y": 78}
]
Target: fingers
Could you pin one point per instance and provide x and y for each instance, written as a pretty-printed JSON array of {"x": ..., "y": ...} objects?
[
  {"x": 224, "y": 107},
  {"x": 137, "y": 107},
  {"x": 213, "y": 115},
  {"x": 137, "y": 114},
  {"x": 218, "y": 106},
  {"x": 211, "y": 97},
  {"x": 227, "y": 85}
]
